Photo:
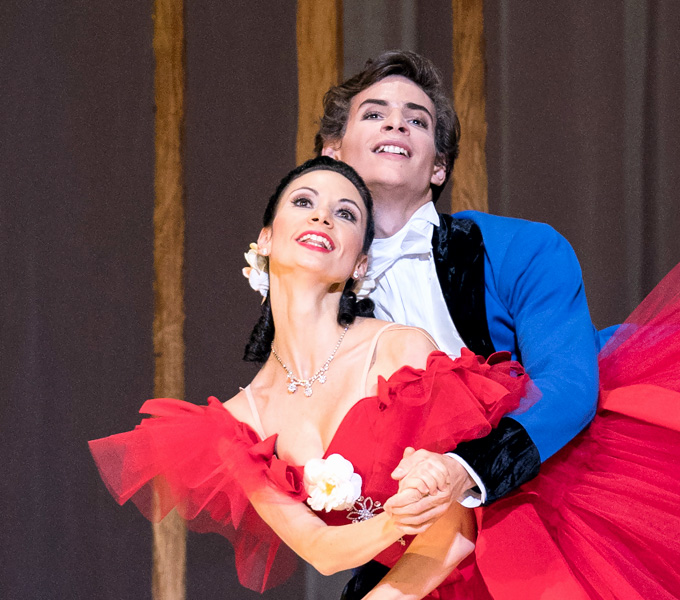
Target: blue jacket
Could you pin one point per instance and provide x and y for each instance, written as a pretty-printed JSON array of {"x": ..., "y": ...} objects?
[{"x": 516, "y": 285}]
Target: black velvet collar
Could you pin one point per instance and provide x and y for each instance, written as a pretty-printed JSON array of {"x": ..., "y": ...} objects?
[{"x": 458, "y": 250}]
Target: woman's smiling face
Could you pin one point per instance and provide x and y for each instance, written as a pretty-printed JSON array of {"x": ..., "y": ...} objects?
[{"x": 318, "y": 226}]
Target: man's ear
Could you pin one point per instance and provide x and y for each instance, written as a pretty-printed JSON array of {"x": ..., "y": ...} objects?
[
  {"x": 332, "y": 149},
  {"x": 438, "y": 173},
  {"x": 264, "y": 241}
]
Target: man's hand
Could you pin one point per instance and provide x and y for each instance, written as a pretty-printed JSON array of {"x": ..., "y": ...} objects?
[{"x": 428, "y": 484}]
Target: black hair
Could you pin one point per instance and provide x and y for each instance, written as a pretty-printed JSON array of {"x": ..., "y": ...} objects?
[
  {"x": 422, "y": 72},
  {"x": 259, "y": 345}
]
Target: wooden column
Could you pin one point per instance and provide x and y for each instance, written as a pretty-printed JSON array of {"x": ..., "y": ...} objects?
[
  {"x": 469, "y": 93},
  {"x": 169, "y": 536},
  {"x": 319, "y": 53}
]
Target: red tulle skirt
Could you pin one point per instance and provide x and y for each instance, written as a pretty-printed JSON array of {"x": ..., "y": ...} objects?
[{"x": 602, "y": 520}]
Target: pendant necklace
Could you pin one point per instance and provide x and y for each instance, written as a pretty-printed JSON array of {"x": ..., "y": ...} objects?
[{"x": 320, "y": 375}]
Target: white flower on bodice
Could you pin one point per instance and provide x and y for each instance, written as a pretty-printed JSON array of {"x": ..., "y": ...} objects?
[{"x": 331, "y": 483}]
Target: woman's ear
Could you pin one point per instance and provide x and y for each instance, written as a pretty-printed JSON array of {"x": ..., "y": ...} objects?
[
  {"x": 361, "y": 267},
  {"x": 264, "y": 241}
]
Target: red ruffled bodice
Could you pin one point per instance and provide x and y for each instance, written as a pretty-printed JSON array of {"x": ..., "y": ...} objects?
[{"x": 202, "y": 461}]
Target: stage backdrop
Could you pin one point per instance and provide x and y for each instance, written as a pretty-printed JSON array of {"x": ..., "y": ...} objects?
[{"x": 583, "y": 134}]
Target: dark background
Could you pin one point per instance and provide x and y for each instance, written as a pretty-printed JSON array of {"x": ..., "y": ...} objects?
[{"x": 583, "y": 134}]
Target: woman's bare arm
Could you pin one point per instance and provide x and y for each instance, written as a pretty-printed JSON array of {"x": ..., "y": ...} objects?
[
  {"x": 397, "y": 347},
  {"x": 430, "y": 558},
  {"x": 328, "y": 549}
]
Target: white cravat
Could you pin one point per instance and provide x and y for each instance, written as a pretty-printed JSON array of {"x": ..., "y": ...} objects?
[{"x": 402, "y": 281}]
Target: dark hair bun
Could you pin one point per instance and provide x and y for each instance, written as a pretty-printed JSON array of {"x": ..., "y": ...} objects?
[
  {"x": 261, "y": 338},
  {"x": 351, "y": 308}
]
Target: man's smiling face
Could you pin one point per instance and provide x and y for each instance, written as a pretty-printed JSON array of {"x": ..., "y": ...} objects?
[{"x": 389, "y": 137}]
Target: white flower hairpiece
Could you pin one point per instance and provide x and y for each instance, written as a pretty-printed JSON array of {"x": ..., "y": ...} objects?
[
  {"x": 331, "y": 483},
  {"x": 257, "y": 273}
]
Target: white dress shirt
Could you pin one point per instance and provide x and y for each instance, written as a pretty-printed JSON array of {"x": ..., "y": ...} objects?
[
  {"x": 402, "y": 281},
  {"x": 407, "y": 291}
]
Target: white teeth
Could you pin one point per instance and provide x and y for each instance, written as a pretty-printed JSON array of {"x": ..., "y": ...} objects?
[
  {"x": 317, "y": 240},
  {"x": 391, "y": 150}
]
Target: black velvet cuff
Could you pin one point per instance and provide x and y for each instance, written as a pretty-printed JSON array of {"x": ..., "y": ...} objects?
[
  {"x": 364, "y": 580},
  {"x": 504, "y": 459}
]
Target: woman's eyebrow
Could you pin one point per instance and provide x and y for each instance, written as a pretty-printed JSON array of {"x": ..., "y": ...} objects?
[
  {"x": 350, "y": 202},
  {"x": 304, "y": 187}
]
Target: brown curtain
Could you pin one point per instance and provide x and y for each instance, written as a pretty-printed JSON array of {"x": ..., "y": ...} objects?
[
  {"x": 76, "y": 266},
  {"x": 76, "y": 248},
  {"x": 583, "y": 134}
]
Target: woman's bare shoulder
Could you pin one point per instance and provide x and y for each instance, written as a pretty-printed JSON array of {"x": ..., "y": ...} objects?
[
  {"x": 239, "y": 407},
  {"x": 405, "y": 345},
  {"x": 395, "y": 331},
  {"x": 397, "y": 346}
]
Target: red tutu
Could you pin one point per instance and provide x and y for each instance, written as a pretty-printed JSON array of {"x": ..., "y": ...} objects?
[
  {"x": 602, "y": 520},
  {"x": 204, "y": 462}
]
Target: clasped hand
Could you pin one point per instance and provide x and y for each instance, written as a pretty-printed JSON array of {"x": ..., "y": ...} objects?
[{"x": 428, "y": 484}]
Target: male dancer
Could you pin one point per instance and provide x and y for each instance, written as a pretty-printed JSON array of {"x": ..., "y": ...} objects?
[{"x": 486, "y": 282}]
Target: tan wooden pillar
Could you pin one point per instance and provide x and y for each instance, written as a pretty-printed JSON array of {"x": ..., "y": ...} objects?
[
  {"x": 169, "y": 536},
  {"x": 319, "y": 54},
  {"x": 470, "y": 189}
]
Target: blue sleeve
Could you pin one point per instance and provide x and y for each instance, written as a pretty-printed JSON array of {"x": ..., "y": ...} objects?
[{"x": 540, "y": 284}]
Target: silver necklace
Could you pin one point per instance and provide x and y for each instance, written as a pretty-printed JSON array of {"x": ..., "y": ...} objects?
[{"x": 320, "y": 375}]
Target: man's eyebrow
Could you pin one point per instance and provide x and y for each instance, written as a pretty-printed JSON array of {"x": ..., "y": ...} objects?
[
  {"x": 411, "y": 105},
  {"x": 414, "y": 106}
]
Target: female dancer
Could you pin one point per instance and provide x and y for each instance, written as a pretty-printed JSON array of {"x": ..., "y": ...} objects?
[
  {"x": 581, "y": 530},
  {"x": 333, "y": 395}
]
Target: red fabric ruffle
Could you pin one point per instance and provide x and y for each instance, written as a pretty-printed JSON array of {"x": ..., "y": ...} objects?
[
  {"x": 203, "y": 462},
  {"x": 435, "y": 409}
]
